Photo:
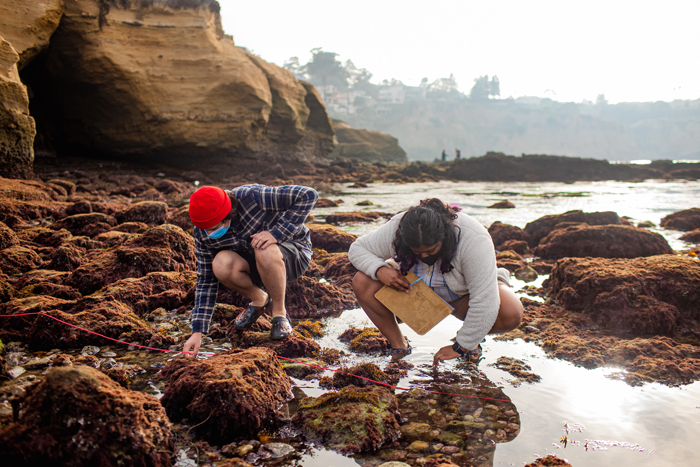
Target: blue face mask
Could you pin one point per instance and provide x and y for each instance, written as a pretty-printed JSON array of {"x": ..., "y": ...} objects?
[{"x": 218, "y": 233}]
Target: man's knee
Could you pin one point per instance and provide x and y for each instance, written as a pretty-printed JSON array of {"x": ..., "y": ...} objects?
[
  {"x": 225, "y": 264},
  {"x": 269, "y": 257}
]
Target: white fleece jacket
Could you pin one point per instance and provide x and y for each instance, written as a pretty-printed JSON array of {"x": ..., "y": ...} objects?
[{"x": 474, "y": 271}]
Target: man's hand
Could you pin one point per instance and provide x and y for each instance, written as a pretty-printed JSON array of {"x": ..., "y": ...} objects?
[
  {"x": 262, "y": 239},
  {"x": 445, "y": 353},
  {"x": 393, "y": 278},
  {"x": 191, "y": 347}
]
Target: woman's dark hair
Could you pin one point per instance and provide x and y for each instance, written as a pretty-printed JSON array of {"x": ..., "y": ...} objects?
[{"x": 425, "y": 225}]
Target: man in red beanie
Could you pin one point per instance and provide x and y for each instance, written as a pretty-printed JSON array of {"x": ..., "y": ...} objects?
[{"x": 249, "y": 238}]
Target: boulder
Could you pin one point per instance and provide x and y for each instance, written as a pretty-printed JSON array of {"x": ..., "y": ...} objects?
[
  {"x": 688, "y": 219},
  {"x": 294, "y": 346},
  {"x": 160, "y": 80},
  {"x": 652, "y": 295},
  {"x": 18, "y": 259},
  {"x": 356, "y": 217},
  {"x": 339, "y": 269},
  {"x": 691, "y": 237},
  {"x": 28, "y": 26},
  {"x": 367, "y": 145},
  {"x": 160, "y": 249},
  {"x": 603, "y": 241},
  {"x": 549, "y": 461},
  {"x": 77, "y": 416},
  {"x": 7, "y": 237},
  {"x": 89, "y": 224},
  {"x": 167, "y": 290},
  {"x": 501, "y": 233},
  {"x": 504, "y": 204},
  {"x": 542, "y": 227},
  {"x": 17, "y": 129},
  {"x": 228, "y": 396},
  {"x": 110, "y": 318},
  {"x": 365, "y": 340},
  {"x": 307, "y": 297},
  {"x": 330, "y": 238},
  {"x": 148, "y": 212},
  {"x": 350, "y": 420}
]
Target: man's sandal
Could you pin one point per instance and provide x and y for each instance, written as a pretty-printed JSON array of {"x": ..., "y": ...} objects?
[
  {"x": 281, "y": 328},
  {"x": 251, "y": 315}
]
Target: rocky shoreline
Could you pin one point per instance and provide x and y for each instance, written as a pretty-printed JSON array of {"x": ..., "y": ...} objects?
[{"x": 110, "y": 249}]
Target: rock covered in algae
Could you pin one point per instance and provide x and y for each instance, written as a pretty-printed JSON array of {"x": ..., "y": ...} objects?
[
  {"x": 228, "y": 396},
  {"x": 540, "y": 228},
  {"x": 358, "y": 376},
  {"x": 350, "y": 420},
  {"x": 79, "y": 417},
  {"x": 355, "y": 217},
  {"x": 330, "y": 238},
  {"x": 111, "y": 318},
  {"x": 365, "y": 340},
  {"x": 640, "y": 296},
  {"x": 293, "y": 346},
  {"x": 549, "y": 461},
  {"x": 163, "y": 248},
  {"x": 686, "y": 220},
  {"x": 603, "y": 241}
]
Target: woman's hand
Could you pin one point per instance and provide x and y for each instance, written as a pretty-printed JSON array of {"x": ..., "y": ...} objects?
[
  {"x": 445, "y": 353},
  {"x": 394, "y": 279}
]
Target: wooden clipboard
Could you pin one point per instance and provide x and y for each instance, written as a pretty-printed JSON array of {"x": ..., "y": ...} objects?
[{"x": 421, "y": 308}]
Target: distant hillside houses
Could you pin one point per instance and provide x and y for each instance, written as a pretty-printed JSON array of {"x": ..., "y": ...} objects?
[{"x": 350, "y": 102}]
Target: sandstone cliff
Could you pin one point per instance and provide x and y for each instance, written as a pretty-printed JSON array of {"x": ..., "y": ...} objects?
[
  {"x": 28, "y": 25},
  {"x": 368, "y": 145},
  {"x": 16, "y": 126},
  {"x": 159, "y": 80}
]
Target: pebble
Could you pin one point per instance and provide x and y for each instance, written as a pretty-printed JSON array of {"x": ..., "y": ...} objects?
[
  {"x": 15, "y": 372},
  {"x": 109, "y": 363},
  {"x": 394, "y": 464},
  {"x": 109, "y": 354},
  {"x": 418, "y": 446},
  {"x": 38, "y": 363},
  {"x": 89, "y": 350},
  {"x": 449, "y": 450},
  {"x": 275, "y": 451},
  {"x": 241, "y": 451}
]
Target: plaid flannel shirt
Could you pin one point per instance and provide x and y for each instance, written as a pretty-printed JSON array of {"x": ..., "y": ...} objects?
[{"x": 279, "y": 210}]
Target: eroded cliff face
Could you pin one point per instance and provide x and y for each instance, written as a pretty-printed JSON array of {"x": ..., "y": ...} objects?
[
  {"x": 28, "y": 25},
  {"x": 160, "y": 80},
  {"x": 368, "y": 145},
  {"x": 17, "y": 128}
]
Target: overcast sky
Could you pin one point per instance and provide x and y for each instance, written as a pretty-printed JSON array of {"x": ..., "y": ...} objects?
[{"x": 563, "y": 49}]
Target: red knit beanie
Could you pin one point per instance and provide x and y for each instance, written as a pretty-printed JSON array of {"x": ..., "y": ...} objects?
[{"x": 208, "y": 206}]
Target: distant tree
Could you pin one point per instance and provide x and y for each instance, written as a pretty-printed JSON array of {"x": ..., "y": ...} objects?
[
  {"x": 444, "y": 88},
  {"x": 495, "y": 86},
  {"x": 483, "y": 88},
  {"x": 358, "y": 79},
  {"x": 325, "y": 69},
  {"x": 601, "y": 100},
  {"x": 293, "y": 65}
]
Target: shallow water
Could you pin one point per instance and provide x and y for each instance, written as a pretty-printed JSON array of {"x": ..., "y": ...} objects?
[{"x": 661, "y": 423}]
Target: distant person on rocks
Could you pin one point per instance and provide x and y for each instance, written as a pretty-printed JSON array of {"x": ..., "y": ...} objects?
[
  {"x": 455, "y": 256},
  {"x": 248, "y": 238},
  {"x": 458, "y": 154},
  {"x": 444, "y": 155}
]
